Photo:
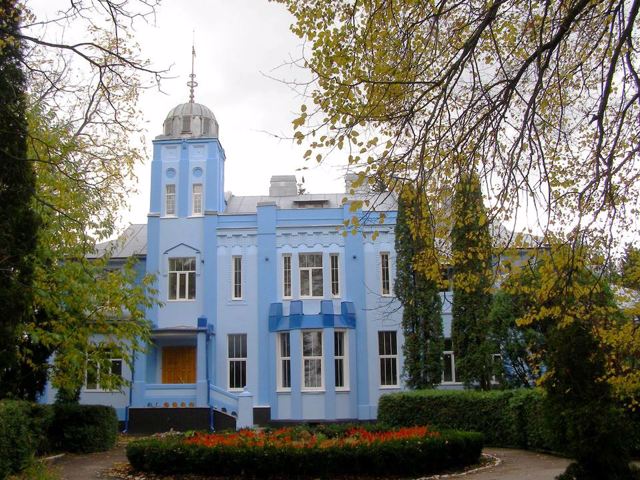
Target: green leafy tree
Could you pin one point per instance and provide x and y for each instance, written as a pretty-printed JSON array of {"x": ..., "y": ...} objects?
[
  {"x": 473, "y": 279},
  {"x": 574, "y": 308},
  {"x": 83, "y": 143},
  {"x": 542, "y": 96},
  {"x": 419, "y": 294},
  {"x": 88, "y": 301},
  {"x": 630, "y": 268},
  {"x": 18, "y": 221},
  {"x": 515, "y": 344}
]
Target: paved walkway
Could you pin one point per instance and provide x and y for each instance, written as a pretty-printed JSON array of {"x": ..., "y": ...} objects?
[
  {"x": 88, "y": 466},
  {"x": 515, "y": 465},
  {"x": 520, "y": 465}
]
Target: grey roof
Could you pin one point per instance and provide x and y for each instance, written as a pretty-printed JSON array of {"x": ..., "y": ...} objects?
[
  {"x": 503, "y": 237},
  {"x": 190, "y": 109},
  {"x": 249, "y": 204},
  {"x": 201, "y": 122},
  {"x": 133, "y": 241}
]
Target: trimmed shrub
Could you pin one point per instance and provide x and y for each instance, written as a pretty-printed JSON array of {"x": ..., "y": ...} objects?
[
  {"x": 487, "y": 412},
  {"x": 506, "y": 418},
  {"x": 398, "y": 457},
  {"x": 41, "y": 420},
  {"x": 83, "y": 428},
  {"x": 16, "y": 441}
]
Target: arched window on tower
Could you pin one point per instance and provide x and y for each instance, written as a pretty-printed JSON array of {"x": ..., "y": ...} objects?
[{"x": 206, "y": 126}]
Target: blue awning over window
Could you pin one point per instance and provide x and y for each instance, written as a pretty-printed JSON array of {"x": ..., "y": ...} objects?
[{"x": 297, "y": 319}]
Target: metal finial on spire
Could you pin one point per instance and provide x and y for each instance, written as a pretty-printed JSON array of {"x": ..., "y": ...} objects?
[{"x": 192, "y": 82}]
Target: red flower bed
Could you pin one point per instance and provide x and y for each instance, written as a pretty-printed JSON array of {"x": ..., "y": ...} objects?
[
  {"x": 325, "y": 451},
  {"x": 292, "y": 437}
]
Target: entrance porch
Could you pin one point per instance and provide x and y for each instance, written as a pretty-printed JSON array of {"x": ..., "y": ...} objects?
[{"x": 174, "y": 371}]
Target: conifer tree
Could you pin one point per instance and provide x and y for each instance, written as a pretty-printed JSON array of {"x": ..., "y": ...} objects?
[
  {"x": 18, "y": 222},
  {"x": 471, "y": 255},
  {"x": 418, "y": 293}
]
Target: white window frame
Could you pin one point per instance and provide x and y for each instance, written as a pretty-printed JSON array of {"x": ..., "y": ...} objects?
[
  {"x": 334, "y": 274},
  {"x": 196, "y": 200},
  {"x": 287, "y": 271},
  {"x": 308, "y": 272},
  {"x": 240, "y": 360},
  {"x": 170, "y": 198},
  {"x": 385, "y": 274},
  {"x": 236, "y": 277},
  {"x": 283, "y": 361},
  {"x": 99, "y": 387},
  {"x": 385, "y": 356},
  {"x": 312, "y": 358},
  {"x": 344, "y": 358},
  {"x": 452, "y": 355},
  {"x": 186, "y": 276},
  {"x": 494, "y": 357}
]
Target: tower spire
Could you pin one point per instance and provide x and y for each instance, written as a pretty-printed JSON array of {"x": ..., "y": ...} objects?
[{"x": 192, "y": 84}]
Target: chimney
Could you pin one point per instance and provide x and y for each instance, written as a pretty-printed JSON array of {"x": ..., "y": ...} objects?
[
  {"x": 349, "y": 178},
  {"x": 283, "y": 186}
]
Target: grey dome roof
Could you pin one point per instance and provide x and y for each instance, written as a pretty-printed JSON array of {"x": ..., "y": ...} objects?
[{"x": 189, "y": 120}]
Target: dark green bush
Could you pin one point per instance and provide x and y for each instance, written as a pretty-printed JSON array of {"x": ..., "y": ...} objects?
[
  {"x": 407, "y": 457},
  {"x": 83, "y": 428},
  {"x": 17, "y": 445},
  {"x": 41, "y": 421},
  {"x": 486, "y": 412},
  {"x": 507, "y": 418}
]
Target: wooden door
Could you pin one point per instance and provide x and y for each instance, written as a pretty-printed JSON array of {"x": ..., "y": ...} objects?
[{"x": 179, "y": 365}]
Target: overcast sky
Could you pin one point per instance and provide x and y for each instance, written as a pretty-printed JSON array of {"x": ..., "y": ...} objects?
[{"x": 239, "y": 44}]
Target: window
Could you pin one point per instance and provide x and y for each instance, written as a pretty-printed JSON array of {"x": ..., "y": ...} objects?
[
  {"x": 311, "y": 275},
  {"x": 106, "y": 375},
  {"x": 206, "y": 126},
  {"x": 446, "y": 279},
  {"x": 237, "y": 361},
  {"x": 312, "y": 360},
  {"x": 498, "y": 368},
  {"x": 384, "y": 272},
  {"x": 284, "y": 361},
  {"x": 182, "y": 278},
  {"x": 170, "y": 199},
  {"x": 340, "y": 360},
  {"x": 237, "y": 277},
  {"x": 186, "y": 124},
  {"x": 286, "y": 276},
  {"x": 335, "y": 275},
  {"x": 196, "y": 198},
  {"x": 449, "y": 370},
  {"x": 388, "y": 351}
]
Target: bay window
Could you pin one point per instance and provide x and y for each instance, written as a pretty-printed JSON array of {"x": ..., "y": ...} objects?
[{"x": 312, "y": 360}]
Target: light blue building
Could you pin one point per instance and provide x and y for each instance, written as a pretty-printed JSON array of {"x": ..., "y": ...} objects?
[{"x": 269, "y": 313}]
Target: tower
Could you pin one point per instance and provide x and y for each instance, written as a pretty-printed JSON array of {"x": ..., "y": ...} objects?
[{"x": 187, "y": 171}]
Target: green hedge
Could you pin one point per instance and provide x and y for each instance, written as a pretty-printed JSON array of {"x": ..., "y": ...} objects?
[
  {"x": 507, "y": 418},
  {"x": 171, "y": 456},
  {"x": 16, "y": 442},
  {"x": 23, "y": 433},
  {"x": 83, "y": 428},
  {"x": 28, "y": 429}
]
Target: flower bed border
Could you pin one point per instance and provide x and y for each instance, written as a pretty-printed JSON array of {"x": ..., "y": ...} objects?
[{"x": 393, "y": 458}]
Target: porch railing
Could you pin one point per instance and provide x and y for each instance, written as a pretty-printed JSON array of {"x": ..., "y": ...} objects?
[{"x": 223, "y": 400}]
